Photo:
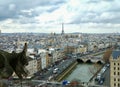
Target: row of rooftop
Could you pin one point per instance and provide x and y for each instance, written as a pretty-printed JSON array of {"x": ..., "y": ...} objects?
[
  {"x": 47, "y": 49},
  {"x": 44, "y": 41}
]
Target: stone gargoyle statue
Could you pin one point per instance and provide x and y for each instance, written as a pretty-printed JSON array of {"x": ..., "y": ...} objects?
[{"x": 13, "y": 62}]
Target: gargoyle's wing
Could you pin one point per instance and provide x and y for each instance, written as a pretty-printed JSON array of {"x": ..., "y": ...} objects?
[{"x": 5, "y": 69}]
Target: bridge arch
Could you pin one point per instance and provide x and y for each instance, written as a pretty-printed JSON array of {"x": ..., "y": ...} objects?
[
  {"x": 89, "y": 61},
  {"x": 80, "y": 61},
  {"x": 99, "y": 62}
]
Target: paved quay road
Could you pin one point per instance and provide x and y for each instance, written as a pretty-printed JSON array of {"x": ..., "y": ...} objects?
[
  {"x": 49, "y": 73},
  {"x": 107, "y": 77}
]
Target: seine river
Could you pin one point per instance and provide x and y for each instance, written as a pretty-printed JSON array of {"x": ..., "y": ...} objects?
[{"x": 83, "y": 72}]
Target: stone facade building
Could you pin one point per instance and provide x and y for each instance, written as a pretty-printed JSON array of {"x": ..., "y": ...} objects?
[{"x": 115, "y": 69}]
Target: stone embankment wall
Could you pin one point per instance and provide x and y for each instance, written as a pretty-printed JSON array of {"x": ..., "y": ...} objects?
[{"x": 66, "y": 71}]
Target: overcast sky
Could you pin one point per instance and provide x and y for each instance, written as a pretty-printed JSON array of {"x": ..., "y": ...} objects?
[{"x": 45, "y": 16}]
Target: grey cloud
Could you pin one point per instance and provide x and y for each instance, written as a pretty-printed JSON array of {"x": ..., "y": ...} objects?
[
  {"x": 109, "y": 0},
  {"x": 12, "y": 8},
  {"x": 113, "y": 20},
  {"x": 5, "y": 12},
  {"x": 92, "y": 17},
  {"x": 52, "y": 9},
  {"x": 28, "y": 14},
  {"x": 25, "y": 20},
  {"x": 84, "y": 18},
  {"x": 26, "y": 4},
  {"x": 98, "y": 1},
  {"x": 113, "y": 14},
  {"x": 115, "y": 8},
  {"x": 93, "y": 1}
]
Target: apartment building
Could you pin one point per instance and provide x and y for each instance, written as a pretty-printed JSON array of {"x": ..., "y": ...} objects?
[
  {"x": 32, "y": 67},
  {"x": 115, "y": 69}
]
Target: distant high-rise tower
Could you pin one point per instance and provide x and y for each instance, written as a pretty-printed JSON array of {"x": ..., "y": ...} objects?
[{"x": 62, "y": 29}]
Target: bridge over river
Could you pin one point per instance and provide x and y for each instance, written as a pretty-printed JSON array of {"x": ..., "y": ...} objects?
[
  {"x": 90, "y": 59},
  {"x": 82, "y": 72}
]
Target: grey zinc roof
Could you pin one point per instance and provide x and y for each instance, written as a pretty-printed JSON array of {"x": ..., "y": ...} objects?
[{"x": 115, "y": 54}]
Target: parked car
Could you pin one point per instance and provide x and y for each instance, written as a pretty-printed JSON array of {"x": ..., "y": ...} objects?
[
  {"x": 55, "y": 70},
  {"x": 101, "y": 81},
  {"x": 107, "y": 65},
  {"x": 98, "y": 77}
]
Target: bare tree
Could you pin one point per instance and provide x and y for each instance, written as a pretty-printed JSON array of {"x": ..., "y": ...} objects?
[
  {"x": 94, "y": 68},
  {"x": 107, "y": 55}
]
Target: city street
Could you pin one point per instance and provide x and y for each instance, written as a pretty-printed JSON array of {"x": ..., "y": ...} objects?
[
  {"x": 104, "y": 78},
  {"x": 49, "y": 73},
  {"x": 107, "y": 77}
]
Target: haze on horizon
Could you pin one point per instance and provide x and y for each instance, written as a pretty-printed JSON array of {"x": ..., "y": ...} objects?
[{"x": 45, "y": 16}]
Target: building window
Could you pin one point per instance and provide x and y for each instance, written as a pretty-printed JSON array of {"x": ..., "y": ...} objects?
[
  {"x": 118, "y": 73},
  {"x": 118, "y": 85},
  {"x": 114, "y": 73},
  {"x": 118, "y": 68},
  {"x": 114, "y": 68},
  {"x": 118, "y": 79},
  {"x": 118, "y": 63},
  {"x": 114, "y": 79},
  {"x": 114, "y": 84},
  {"x": 114, "y": 63}
]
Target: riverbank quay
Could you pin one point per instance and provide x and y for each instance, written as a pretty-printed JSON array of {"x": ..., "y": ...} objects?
[
  {"x": 102, "y": 73},
  {"x": 98, "y": 53},
  {"x": 66, "y": 71},
  {"x": 92, "y": 78}
]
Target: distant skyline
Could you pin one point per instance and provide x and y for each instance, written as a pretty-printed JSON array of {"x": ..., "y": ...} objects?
[{"x": 46, "y": 16}]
